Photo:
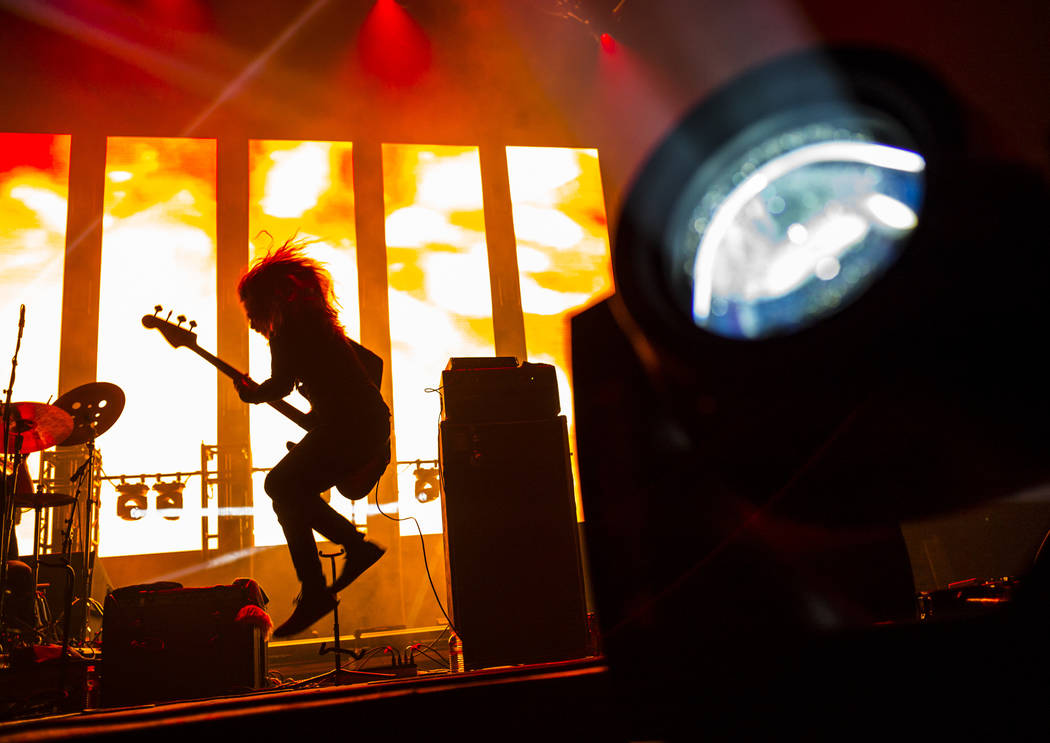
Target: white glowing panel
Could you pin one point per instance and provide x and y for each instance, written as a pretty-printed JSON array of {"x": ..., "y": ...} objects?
[
  {"x": 303, "y": 190},
  {"x": 440, "y": 300},
  {"x": 563, "y": 252},
  {"x": 34, "y": 173},
  {"x": 158, "y": 247}
]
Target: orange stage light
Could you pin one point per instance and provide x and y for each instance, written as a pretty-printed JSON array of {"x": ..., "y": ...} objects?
[
  {"x": 303, "y": 190},
  {"x": 158, "y": 247},
  {"x": 440, "y": 301},
  {"x": 563, "y": 252},
  {"x": 34, "y": 173}
]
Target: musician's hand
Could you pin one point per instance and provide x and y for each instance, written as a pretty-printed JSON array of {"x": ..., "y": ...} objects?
[{"x": 245, "y": 387}]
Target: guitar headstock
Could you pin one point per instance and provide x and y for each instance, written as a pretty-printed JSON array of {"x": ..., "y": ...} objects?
[{"x": 176, "y": 335}]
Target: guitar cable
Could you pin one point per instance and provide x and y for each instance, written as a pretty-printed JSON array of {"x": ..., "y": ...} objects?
[{"x": 422, "y": 544}]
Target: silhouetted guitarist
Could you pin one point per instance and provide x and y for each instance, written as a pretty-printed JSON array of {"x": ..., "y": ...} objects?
[{"x": 288, "y": 298}]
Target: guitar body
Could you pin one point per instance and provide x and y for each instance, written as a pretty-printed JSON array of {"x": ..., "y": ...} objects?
[
  {"x": 355, "y": 486},
  {"x": 362, "y": 481}
]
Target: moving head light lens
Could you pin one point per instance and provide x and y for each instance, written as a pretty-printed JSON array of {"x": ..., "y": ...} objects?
[
  {"x": 793, "y": 211},
  {"x": 792, "y": 221}
]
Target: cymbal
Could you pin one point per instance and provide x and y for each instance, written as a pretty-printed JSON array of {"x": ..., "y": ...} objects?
[
  {"x": 94, "y": 407},
  {"x": 41, "y": 425},
  {"x": 42, "y": 500}
]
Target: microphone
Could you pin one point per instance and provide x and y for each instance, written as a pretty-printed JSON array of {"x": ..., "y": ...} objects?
[{"x": 22, "y": 317}]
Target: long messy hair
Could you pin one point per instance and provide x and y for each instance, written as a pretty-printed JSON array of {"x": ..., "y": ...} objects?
[{"x": 287, "y": 281}]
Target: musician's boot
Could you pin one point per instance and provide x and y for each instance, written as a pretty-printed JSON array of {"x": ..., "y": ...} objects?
[
  {"x": 360, "y": 553},
  {"x": 314, "y": 601},
  {"x": 311, "y": 606},
  {"x": 360, "y": 556}
]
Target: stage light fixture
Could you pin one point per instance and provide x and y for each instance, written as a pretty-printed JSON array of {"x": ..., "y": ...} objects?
[
  {"x": 169, "y": 499},
  {"x": 827, "y": 320},
  {"x": 782, "y": 200},
  {"x": 131, "y": 501},
  {"x": 795, "y": 227},
  {"x": 428, "y": 485}
]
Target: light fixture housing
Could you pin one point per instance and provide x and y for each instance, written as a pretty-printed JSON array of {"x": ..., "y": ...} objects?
[
  {"x": 831, "y": 243},
  {"x": 746, "y": 470},
  {"x": 779, "y": 218},
  {"x": 132, "y": 501},
  {"x": 169, "y": 499}
]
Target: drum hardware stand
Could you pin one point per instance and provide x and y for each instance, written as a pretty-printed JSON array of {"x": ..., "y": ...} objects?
[
  {"x": 40, "y": 502},
  {"x": 94, "y": 408},
  {"x": 83, "y": 473},
  {"x": 7, "y": 492},
  {"x": 340, "y": 676},
  {"x": 7, "y": 518},
  {"x": 28, "y": 427}
]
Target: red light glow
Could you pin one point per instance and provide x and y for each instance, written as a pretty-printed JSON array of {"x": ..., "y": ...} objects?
[
  {"x": 608, "y": 43},
  {"x": 392, "y": 46},
  {"x": 33, "y": 151},
  {"x": 179, "y": 15}
]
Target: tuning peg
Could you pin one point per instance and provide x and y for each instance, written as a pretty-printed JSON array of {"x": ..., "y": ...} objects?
[
  {"x": 168, "y": 317},
  {"x": 193, "y": 324},
  {"x": 156, "y": 309},
  {"x": 181, "y": 319}
]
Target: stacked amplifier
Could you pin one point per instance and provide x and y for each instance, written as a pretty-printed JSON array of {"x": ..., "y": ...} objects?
[{"x": 512, "y": 556}]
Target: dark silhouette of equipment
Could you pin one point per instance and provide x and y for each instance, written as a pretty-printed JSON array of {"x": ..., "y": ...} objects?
[
  {"x": 744, "y": 492},
  {"x": 163, "y": 642},
  {"x": 27, "y": 427},
  {"x": 94, "y": 408},
  {"x": 515, "y": 584}
]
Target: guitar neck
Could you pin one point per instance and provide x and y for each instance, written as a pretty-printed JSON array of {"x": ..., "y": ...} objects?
[
  {"x": 289, "y": 411},
  {"x": 229, "y": 371}
]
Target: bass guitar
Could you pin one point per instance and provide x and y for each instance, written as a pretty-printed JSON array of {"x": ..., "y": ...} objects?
[{"x": 354, "y": 487}]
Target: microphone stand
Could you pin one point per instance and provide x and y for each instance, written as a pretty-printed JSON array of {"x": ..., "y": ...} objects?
[
  {"x": 84, "y": 474},
  {"x": 8, "y": 492}
]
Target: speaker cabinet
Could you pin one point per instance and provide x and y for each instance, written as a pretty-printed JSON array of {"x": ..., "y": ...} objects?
[
  {"x": 515, "y": 582},
  {"x": 496, "y": 393},
  {"x": 162, "y": 642}
]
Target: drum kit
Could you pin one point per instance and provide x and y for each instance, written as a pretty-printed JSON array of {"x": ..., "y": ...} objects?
[{"x": 76, "y": 418}]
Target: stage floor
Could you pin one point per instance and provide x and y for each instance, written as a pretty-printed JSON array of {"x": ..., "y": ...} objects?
[{"x": 564, "y": 699}]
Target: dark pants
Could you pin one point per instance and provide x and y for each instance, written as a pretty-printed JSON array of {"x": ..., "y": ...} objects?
[{"x": 326, "y": 455}]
